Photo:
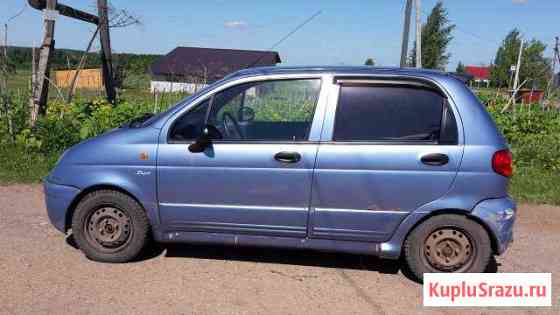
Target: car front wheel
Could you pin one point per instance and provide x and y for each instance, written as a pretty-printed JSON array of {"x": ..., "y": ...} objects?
[
  {"x": 110, "y": 226},
  {"x": 447, "y": 243}
]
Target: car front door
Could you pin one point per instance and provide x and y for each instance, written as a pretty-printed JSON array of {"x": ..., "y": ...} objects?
[
  {"x": 387, "y": 149},
  {"x": 255, "y": 177}
]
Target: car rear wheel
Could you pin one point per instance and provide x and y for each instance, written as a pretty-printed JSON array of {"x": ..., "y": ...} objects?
[
  {"x": 110, "y": 226},
  {"x": 447, "y": 243}
]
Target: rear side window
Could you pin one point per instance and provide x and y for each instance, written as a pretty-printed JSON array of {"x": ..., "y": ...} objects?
[{"x": 389, "y": 113}]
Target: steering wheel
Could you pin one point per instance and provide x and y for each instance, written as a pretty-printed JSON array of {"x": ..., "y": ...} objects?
[{"x": 231, "y": 127}]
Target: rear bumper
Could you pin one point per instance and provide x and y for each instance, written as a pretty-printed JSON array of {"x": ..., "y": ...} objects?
[
  {"x": 58, "y": 199},
  {"x": 499, "y": 216}
]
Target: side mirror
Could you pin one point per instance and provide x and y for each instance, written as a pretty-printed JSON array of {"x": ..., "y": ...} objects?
[{"x": 209, "y": 132}]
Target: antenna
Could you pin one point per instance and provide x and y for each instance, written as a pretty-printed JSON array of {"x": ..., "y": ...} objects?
[{"x": 292, "y": 32}]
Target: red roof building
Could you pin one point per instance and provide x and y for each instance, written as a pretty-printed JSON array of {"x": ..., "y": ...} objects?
[{"x": 479, "y": 73}]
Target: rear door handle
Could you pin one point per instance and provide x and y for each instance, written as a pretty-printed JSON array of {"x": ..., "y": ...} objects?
[
  {"x": 435, "y": 159},
  {"x": 287, "y": 157}
]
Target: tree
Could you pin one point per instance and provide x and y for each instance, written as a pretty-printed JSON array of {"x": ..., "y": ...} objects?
[
  {"x": 370, "y": 62},
  {"x": 535, "y": 68},
  {"x": 436, "y": 36},
  {"x": 460, "y": 68},
  {"x": 506, "y": 56}
]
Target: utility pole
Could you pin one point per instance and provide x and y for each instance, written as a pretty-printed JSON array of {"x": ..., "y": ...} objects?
[
  {"x": 51, "y": 9},
  {"x": 517, "y": 69},
  {"x": 4, "y": 62},
  {"x": 405, "y": 35},
  {"x": 418, "y": 34},
  {"x": 557, "y": 48},
  {"x": 4, "y": 99},
  {"x": 6, "y": 43},
  {"x": 106, "y": 57},
  {"x": 39, "y": 97},
  {"x": 516, "y": 80},
  {"x": 555, "y": 58}
]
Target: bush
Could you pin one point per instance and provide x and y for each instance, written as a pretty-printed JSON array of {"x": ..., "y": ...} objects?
[
  {"x": 533, "y": 133},
  {"x": 67, "y": 124}
]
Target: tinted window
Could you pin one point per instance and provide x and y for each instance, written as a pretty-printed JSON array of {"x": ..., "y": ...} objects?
[
  {"x": 388, "y": 113},
  {"x": 269, "y": 110},
  {"x": 190, "y": 125},
  {"x": 448, "y": 133}
]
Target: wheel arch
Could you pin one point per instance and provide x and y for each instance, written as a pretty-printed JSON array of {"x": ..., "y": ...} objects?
[
  {"x": 89, "y": 190},
  {"x": 467, "y": 214}
]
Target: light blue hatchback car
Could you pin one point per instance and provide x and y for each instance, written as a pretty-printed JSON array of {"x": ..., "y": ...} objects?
[{"x": 379, "y": 161}]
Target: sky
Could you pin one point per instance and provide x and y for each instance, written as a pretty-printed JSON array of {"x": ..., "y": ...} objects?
[{"x": 346, "y": 32}]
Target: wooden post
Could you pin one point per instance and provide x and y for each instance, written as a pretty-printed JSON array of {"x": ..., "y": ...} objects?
[
  {"x": 418, "y": 35},
  {"x": 66, "y": 11},
  {"x": 406, "y": 31},
  {"x": 106, "y": 58},
  {"x": 39, "y": 98}
]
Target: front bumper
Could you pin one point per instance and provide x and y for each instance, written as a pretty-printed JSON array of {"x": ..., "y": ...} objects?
[
  {"x": 58, "y": 199},
  {"x": 499, "y": 216}
]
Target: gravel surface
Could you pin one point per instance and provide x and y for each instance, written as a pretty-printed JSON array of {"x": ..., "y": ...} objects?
[{"x": 41, "y": 272}]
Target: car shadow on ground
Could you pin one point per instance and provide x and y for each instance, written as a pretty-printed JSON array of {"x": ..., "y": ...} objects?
[{"x": 281, "y": 256}]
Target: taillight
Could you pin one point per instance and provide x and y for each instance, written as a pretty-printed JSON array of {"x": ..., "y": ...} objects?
[{"x": 502, "y": 163}]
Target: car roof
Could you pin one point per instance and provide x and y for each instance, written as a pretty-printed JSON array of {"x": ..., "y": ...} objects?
[{"x": 342, "y": 70}]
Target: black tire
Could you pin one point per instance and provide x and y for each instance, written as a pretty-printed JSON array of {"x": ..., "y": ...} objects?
[
  {"x": 420, "y": 257},
  {"x": 101, "y": 209}
]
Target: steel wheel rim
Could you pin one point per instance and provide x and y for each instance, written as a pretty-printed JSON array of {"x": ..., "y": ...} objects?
[
  {"x": 449, "y": 249},
  {"x": 108, "y": 228}
]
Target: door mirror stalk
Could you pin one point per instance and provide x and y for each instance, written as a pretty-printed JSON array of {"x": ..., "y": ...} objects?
[{"x": 204, "y": 141}]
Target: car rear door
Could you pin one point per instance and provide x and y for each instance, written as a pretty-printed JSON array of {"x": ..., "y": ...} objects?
[
  {"x": 387, "y": 148},
  {"x": 257, "y": 178}
]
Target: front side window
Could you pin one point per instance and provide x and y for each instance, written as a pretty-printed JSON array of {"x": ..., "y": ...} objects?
[
  {"x": 190, "y": 125},
  {"x": 388, "y": 113},
  {"x": 279, "y": 110}
]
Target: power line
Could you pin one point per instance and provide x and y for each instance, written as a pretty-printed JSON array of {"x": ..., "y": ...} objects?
[
  {"x": 20, "y": 12},
  {"x": 460, "y": 29},
  {"x": 301, "y": 25},
  {"x": 296, "y": 29}
]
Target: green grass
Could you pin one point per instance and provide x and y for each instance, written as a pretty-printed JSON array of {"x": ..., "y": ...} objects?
[
  {"x": 19, "y": 81},
  {"x": 19, "y": 166},
  {"x": 535, "y": 185}
]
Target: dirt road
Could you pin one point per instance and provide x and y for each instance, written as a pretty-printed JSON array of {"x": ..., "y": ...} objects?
[{"x": 40, "y": 272}]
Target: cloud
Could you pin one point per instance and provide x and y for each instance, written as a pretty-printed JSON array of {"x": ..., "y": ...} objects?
[
  {"x": 519, "y": 1},
  {"x": 235, "y": 24}
]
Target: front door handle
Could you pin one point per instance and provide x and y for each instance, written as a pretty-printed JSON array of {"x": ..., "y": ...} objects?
[
  {"x": 435, "y": 159},
  {"x": 287, "y": 157}
]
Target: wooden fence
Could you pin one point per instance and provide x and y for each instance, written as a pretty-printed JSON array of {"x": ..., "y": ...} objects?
[{"x": 88, "y": 79}]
